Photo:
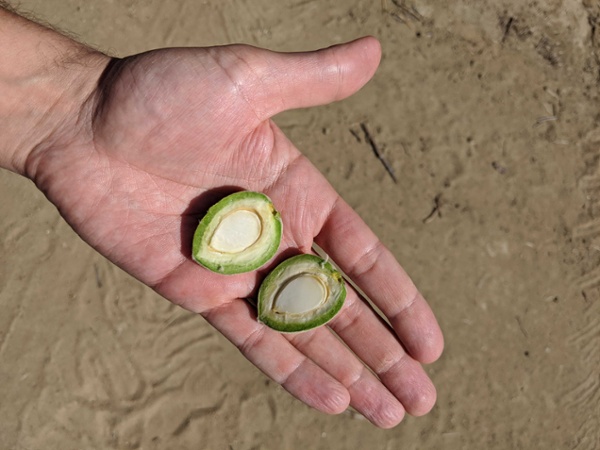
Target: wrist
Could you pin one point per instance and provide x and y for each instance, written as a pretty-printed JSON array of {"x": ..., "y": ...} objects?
[{"x": 46, "y": 79}]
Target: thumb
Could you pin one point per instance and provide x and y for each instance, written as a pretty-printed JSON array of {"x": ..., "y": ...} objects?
[{"x": 275, "y": 82}]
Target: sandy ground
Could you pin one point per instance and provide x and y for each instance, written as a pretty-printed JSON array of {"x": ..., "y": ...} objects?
[{"x": 487, "y": 112}]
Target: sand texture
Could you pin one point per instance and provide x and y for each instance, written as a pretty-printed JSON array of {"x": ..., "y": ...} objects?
[{"x": 486, "y": 112}]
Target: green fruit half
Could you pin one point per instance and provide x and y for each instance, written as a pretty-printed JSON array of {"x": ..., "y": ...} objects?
[
  {"x": 301, "y": 293},
  {"x": 238, "y": 234}
]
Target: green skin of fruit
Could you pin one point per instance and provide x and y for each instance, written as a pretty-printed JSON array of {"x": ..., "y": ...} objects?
[
  {"x": 292, "y": 323},
  {"x": 251, "y": 258}
]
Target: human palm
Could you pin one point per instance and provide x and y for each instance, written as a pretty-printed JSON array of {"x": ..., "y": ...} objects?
[{"x": 166, "y": 134}]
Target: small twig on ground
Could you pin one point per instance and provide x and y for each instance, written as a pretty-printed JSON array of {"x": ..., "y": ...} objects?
[
  {"x": 521, "y": 326},
  {"x": 98, "y": 278},
  {"x": 435, "y": 210},
  {"x": 498, "y": 167},
  {"x": 507, "y": 28},
  {"x": 408, "y": 11},
  {"x": 355, "y": 134},
  {"x": 541, "y": 120},
  {"x": 376, "y": 151}
]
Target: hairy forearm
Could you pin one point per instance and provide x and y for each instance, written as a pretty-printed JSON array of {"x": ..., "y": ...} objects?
[{"x": 45, "y": 78}]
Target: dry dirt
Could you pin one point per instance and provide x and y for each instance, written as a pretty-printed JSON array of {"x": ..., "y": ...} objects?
[{"x": 487, "y": 112}]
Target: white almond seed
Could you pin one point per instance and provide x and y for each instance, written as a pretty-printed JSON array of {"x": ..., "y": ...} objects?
[
  {"x": 302, "y": 294},
  {"x": 236, "y": 232}
]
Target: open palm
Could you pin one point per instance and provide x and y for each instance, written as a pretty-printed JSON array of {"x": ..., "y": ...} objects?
[{"x": 166, "y": 134}]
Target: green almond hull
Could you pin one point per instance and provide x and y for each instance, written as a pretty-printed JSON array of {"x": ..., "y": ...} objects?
[
  {"x": 293, "y": 323},
  {"x": 238, "y": 264}
]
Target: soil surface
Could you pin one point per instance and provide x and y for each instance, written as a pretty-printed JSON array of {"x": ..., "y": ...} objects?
[{"x": 486, "y": 113}]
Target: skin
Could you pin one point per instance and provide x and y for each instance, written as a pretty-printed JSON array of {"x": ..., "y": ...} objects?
[{"x": 131, "y": 150}]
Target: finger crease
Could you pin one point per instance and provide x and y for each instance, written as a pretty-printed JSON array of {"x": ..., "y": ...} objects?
[
  {"x": 356, "y": 379},
  {"x": 283, "y": 172},
  {"x": 224, "y": 304},
  {"x": 162, "y": 280},
  {"x": 303, "y": 361},
  {"x": 372, "y": 256},
  {"x": 405, "y": 308},
  {"x": 252, "y": 340},
  {"x": 382, "y": 372},
  {"x": 302, "y": 340},
  {"x": 352, "y": 316},
  {"x": 335, "y": 204}
]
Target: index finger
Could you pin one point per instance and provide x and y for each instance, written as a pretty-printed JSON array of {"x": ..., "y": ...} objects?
[{"x": 361, "y": 255}]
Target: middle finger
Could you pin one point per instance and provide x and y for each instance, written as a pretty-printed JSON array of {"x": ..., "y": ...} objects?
[{"x": 375, "y": 343}]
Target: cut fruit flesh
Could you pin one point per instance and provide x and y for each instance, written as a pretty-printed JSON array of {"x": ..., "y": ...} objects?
[
  {"x": 301, "y": 293},
  {"x": 238, "y": 234}
]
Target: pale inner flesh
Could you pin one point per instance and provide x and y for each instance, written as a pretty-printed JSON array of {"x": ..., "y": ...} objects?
[
  {"x": 301, "y": 295},
  {"x": 236, "y": 232}
]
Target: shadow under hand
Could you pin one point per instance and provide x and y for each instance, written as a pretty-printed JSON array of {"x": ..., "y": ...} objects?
[{"x": 196, "y": 210}]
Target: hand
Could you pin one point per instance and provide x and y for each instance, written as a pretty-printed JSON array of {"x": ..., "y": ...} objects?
[{"x": 146, "y": 154}]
